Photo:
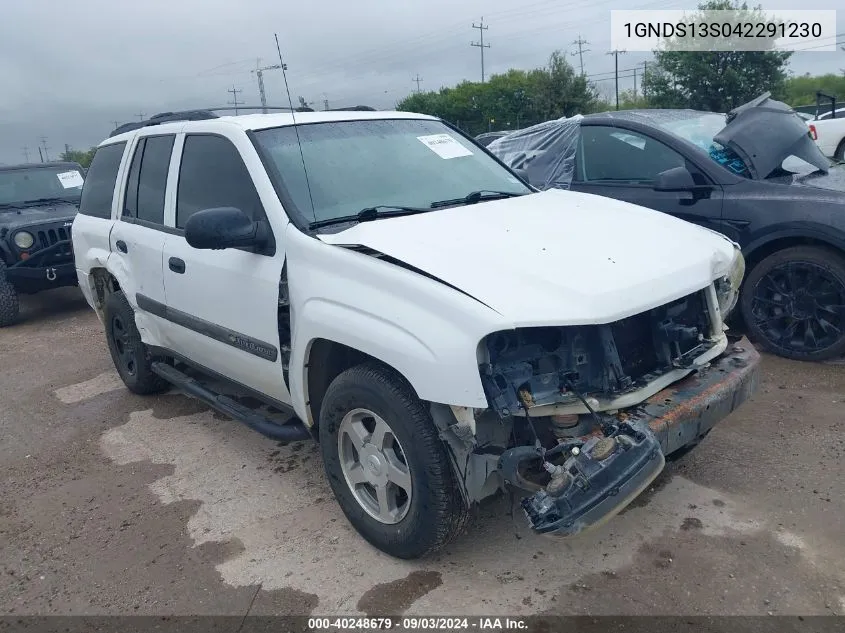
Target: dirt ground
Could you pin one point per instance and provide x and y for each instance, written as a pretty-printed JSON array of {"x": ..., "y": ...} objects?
[{"x": 112, "y": 503}]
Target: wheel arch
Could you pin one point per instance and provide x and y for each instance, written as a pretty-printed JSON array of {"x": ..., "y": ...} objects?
[
  {"x": 758, "y": 250},
  {"x": 325, "y": 360}
]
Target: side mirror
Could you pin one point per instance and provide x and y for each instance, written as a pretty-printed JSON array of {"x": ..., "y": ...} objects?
[
  {"x": 225, "y": 227},
  {"x": 675, "y": 179}
]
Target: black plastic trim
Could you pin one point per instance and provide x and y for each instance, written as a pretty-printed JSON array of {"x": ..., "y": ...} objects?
[{"x": 219, "y": 333}]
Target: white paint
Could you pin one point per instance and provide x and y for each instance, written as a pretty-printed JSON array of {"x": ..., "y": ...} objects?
[
  {"x": 830, "y": 134},
  {"x": 70, "y": 179},
  {"x": 444, "y": 145},
  {"x": 292, "y": 541},
  {"x": 105, "y": 382}
]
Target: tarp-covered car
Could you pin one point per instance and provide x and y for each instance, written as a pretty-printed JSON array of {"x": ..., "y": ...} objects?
[{"x": 754, "y": 175}]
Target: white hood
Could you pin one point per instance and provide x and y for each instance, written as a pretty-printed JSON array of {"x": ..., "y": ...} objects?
[{"x": 554, "y": 258}]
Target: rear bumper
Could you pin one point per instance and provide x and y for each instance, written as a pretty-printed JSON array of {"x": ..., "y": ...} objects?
[{"x": 671, "y": 420}]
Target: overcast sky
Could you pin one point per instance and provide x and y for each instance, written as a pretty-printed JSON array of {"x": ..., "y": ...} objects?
[{"x": 71, "y": 69}]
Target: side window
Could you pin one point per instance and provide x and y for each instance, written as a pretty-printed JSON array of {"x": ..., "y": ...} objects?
[
  {"x": 148, "y": 179},
  {"x": 98, "y": 191},
  {"x": 212, "y": 174},
  {"x": 608, "y": 154}
]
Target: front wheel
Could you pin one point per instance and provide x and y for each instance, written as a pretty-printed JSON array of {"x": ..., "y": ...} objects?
[
  {"x": 386, "y": 464},
  {"x": 793, "y": 303},
  {"x": 9, "y": 306}
]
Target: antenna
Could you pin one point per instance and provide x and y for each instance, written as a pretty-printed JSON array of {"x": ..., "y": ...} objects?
[{"x": 295, "y": 127}]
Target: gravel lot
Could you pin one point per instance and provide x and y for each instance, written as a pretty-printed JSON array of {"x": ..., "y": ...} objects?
[{"x": 112, "y": 503}]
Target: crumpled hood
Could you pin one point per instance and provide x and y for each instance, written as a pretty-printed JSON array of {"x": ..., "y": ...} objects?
[
  {"x": 749, "y": 133},
  {"x": 19, "y": 218},
  {"x": 553, "y": 258}
]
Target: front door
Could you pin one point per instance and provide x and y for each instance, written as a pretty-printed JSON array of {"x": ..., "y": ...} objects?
[
  {"x": 223, "y": 304},
  {"x": 623, "y": 164}
]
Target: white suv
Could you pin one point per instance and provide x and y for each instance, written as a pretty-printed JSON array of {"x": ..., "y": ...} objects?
[{"x": 380, "y": 282}]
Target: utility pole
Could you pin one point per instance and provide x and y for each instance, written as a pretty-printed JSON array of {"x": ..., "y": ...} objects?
[
  {"x": 481, "y": 28},
  {"x": 234, "y": 101},
  {"x": 580, "y": 44},
  {"x": 115, "y": 124},
  {"x": 635, "y": 82},
  {"x": 67, "y": 151},
  {"x": 645, "y": 70},
  {"x": 616, "y": 54},
  {"x": 25, "y": 153},
  {"x": 325, "y": 104},
  {"x": 44, "y": 145},
  {"x": 40, "y": 154},
  {"x": 259, "y": 72},
  {"x": 141, "y": 115},
  {"x": 418, "y": 79}
]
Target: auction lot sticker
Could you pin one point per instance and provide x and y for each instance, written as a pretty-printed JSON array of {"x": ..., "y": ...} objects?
[
  {"x": 444, "y": 145},
  {"x": 70, "y": 179}
]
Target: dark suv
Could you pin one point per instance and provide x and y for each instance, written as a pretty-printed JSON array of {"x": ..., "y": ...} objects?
[{"x": 37, "y": 205}]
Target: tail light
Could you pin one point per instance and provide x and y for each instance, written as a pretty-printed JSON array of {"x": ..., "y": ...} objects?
[{"x": 813, "y": 134}]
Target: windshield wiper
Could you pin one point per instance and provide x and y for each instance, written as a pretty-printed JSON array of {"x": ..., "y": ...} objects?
[
  {"x": 478, "y": 196},
  {"x": 368, "y": 214},
  {"x": 48, "y": 200}
]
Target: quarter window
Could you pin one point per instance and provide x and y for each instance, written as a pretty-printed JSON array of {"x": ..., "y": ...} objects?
[{"x": 100, "y": 181}]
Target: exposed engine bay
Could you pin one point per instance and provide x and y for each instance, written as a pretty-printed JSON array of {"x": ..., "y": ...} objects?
[{"x": 552, "y": 430}]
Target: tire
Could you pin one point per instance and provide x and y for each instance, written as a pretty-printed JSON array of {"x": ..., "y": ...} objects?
[
  {"x": 839, "y": 154},
  {"x": 130, "y": 356},
  {"x": 793, "y": 303},
  {"x": 9, "y": 306},
  {"x": 424, "y": 518}
]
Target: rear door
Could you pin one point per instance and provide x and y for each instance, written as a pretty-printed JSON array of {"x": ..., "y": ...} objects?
[
  {"x": 224, "y": 304},
  {"x": 137, "y": 239},
  {"x": 623, "y": 164}
]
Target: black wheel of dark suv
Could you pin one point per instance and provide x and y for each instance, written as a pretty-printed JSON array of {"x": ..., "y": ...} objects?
[
  {"x": 793, "y": 303},
  {"x": 9, "y": 307},
  {"x": 129, "y": 354}
]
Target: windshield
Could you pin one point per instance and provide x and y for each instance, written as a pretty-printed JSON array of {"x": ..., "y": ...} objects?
[
  {"x": 354, "y": 165},
  {"x": 26, "y": 185}
]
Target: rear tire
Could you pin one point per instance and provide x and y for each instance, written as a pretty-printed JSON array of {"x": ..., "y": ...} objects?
[
  {"x": 130, "y": 356},
  {"x": 9, "y": 306},
  {"x": 386, "y": 463},
  {"x": 839, "y": 154},
  {"x": 793, "y": 303}
]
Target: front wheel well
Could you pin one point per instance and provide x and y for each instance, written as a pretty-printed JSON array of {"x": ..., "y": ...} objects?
[
  {"x": 326, "y": 361},
  {"x": 763, "y": 251},
  {"x": 104, "y": 285}
]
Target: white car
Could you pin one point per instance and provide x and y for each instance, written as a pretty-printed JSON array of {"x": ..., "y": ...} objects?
[
  {"x": 441, "y": 329},
  {"x": 829, "y": 134}
]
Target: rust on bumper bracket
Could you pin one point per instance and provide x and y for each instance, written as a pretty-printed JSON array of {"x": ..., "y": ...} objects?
[{"x": 683, "y": 413}]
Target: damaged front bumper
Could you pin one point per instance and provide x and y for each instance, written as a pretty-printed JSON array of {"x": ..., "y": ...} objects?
[{"x": 604, "y": 472}]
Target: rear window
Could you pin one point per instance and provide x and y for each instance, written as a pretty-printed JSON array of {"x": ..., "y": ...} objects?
[{"x": 100, "y": 181}]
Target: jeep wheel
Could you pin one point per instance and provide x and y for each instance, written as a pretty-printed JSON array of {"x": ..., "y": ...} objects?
[
  {"x": 793, "y": 303},
  {"x": 130, "y": 355},
  {"x": 386, "y": 464},
  {"x": 9, "y": 307}
]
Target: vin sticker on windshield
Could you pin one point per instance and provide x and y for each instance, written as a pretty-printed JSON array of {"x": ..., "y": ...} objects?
[
  {"x": 444, "y": 145},
  {"x": 70, "y": 179}
]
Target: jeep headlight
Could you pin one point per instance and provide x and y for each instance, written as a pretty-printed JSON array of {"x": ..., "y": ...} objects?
[
  {"x": 24, "y": 240},
  {"x": 727, "y": 287}
]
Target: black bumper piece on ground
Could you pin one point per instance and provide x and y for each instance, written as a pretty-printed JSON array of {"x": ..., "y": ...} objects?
[{"x": 594, "y": 490}]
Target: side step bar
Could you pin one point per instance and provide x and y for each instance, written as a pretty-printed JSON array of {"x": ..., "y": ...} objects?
[{"x": 291, "y": 432}]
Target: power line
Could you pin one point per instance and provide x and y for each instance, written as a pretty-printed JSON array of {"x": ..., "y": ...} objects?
[
  {"x": 580, "y": 43},
  {"x": 417, "y": 79},
  {"x": 234, "y": 101},
  {"x": 481, "y": 28}
]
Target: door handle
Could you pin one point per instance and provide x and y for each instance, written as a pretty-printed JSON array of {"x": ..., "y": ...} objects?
[
  {"x": 121, "y": 246},
  {"x": 176, "y": 265}
]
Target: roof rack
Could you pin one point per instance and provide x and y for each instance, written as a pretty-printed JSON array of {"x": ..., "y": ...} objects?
[{"x": 209, "y": 113}]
